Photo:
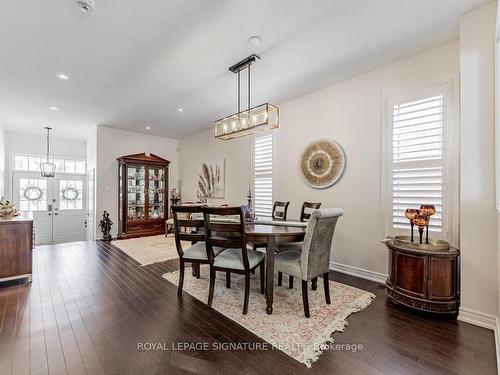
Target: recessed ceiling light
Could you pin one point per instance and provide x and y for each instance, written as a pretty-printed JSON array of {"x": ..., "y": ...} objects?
[
  {"x": 255, "y": 40},
  {"x": 54, "y": 108},
  {"x": 148, "y": 127},
  {"x": 64, "y": 77},
  {"x": 181, "y": 109}
]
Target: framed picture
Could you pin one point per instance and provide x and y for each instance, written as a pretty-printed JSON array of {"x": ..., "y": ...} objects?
[{"x": 210, "y": 181}]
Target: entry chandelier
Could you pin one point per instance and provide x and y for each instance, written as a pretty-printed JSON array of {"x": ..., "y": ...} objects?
[
  {"x": 251, "y": 120},
  {"x": 48, "y": 169}
]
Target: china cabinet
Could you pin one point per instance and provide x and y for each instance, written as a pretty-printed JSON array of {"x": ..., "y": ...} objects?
[{"x": 143, "y": 195}]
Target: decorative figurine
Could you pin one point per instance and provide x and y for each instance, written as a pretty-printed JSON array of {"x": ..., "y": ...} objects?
[
  {"x": 105, "y": 225},
  {"x": 248, "y": 208},
  {"x": 7, "y": 208},
  {"x": 411, "y": 214},
  {"x": 427, "y": 210},
  {"x": 175, "y": 197}
]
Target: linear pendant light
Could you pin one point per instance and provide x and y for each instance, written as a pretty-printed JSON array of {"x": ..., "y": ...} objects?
[
  {"x": 48, "y": 169},
  {"x": 251, "y": 120}
]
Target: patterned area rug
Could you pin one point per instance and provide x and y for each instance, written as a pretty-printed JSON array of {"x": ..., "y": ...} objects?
[
  {"x": 286, "y": 328},
  {"x": 149, "y": 250}
]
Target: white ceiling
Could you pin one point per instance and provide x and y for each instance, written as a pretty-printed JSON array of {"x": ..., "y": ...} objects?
[{"x": 134, "y": 63}]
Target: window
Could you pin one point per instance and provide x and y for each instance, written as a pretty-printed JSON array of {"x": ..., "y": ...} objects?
[
  {"x": 32, "y": 163},
  {"x": 263, "y": 175},
  {"x": 71, "y": 194},
  {"x": 32, "y": 194},
  {"x": 419, "y": 162}
]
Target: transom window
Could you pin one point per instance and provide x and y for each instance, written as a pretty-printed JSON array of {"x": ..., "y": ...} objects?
[{"x": 31, "y": 163}]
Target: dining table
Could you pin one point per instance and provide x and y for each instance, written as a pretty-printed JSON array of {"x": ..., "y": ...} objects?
[{"x": 271, "y": 234}]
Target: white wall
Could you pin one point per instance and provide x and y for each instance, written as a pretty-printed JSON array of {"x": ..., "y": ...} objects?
[
  {"x": 36, "y": 145},
  {"x": 3, "y": 158},
  {"x": 478, "y": 220},
  {"x": 204, "y": 147},
  {"x": 351, "y": 113},
  {"x": 114, "y": 143}
]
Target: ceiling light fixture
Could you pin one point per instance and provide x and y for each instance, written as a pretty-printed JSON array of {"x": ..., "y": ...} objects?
[
  {"x": 54, "y": 108},
  {"x": 251, "y": 120},
  {"x": 63, "y": 77},
  {"x": 86, "y": 5},
  {"x": 48, "y": 169},
  {"x": 181, "y": 109},
  {"x": 255, "y": 40},
  {"x": 148, "y": 127}
]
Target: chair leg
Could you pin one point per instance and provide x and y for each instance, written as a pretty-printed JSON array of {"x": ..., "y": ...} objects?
[
  {"x": 280, "y": 278},
  {"x": 290, "y": 282},
  {"x": 305, "y": 299},
  {"x": 181, "y": 278},
  {"x": 198, "y": 271},
  {"x": 314, "y": 283},
  {"x": 326, "y": 284},
  {"x": 247, "y": 293},
  {"x": 211, "y": 287},
  {"x": 262, "y": 277},
  {"x": 228, "y": 279}
]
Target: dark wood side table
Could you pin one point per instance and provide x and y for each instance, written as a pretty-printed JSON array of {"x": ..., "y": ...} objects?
[{"x": 424, "y": 279}]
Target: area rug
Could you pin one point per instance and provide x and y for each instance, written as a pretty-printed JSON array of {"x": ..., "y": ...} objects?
[
  {"x": 149, "y": 250},
  {"x": 286, "y": 328}
]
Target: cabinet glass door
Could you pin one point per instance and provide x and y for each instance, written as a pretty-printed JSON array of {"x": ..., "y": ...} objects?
[
  {"x": 136, "y": 190},
  {"x": 156, "y": 188}
]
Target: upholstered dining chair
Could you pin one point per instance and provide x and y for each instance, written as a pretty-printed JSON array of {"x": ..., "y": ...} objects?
[
  {"x": 236, "y": 258},
  {"x": 307, "y": 208},
  {"x": 280, "y": 210},
  {"x": 314, "y": 259},
  {"x": 197, "y": 253},
  {"x": 169, "y": 223}
]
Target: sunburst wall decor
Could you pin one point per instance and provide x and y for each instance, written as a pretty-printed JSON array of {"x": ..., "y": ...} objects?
[{"x": 322, "y": 163}]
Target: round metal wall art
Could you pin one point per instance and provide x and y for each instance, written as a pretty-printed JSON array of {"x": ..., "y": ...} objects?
[
  {"x": 322, "y": 163},
  {"x": 70, "y": 194},
  {"x": 33, "y": 193}
]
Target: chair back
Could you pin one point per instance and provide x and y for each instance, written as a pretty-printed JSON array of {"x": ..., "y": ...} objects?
[
  {"x": 315, "y": 257},
  {"x": 307, "y": 208},
  {"x": 225, "y": 233},
  {"x": 183, "y": 217},
  {"x": 280, "y": 210}
]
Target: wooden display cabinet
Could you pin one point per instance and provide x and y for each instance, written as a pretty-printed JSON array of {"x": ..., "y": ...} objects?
[{"x": 143, "y": 195}]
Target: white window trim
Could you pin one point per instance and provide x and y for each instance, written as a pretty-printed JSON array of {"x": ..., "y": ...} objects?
[
  {"x": 451, "y": 138},
  {"x": 252, "y": 150}
]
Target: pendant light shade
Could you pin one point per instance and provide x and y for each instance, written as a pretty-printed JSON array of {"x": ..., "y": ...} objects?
[
  {"x": 48, "y": 169},
  {"x": 251, "y": 120}
]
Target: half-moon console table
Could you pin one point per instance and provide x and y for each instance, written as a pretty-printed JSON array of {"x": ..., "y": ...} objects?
[{"x": 426, "y": 280}]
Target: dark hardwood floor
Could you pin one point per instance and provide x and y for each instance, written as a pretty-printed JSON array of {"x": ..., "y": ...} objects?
[{"x": 90, "y": 305}]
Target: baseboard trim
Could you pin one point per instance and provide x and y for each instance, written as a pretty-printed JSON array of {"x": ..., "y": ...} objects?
[
  {"x": 497, "y": 344},
  {"x": 478, "y": 318},
  {"x": 358, "y": 272}
]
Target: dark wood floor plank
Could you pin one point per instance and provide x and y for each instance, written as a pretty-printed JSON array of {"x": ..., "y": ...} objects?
[{"x": 90, "y": 305}]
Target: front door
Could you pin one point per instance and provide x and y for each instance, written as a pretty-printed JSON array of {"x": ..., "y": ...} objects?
[{"x": 57, "y": 205}]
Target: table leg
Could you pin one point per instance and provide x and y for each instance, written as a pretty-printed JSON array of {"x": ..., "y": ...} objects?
[{"x": 270, "y": 248}]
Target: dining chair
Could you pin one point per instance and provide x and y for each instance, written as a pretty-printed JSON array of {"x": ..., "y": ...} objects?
[
  {"x": 169, "y": 223},
  {"x": 307, "y": 208},
  {"x": 280, "y": 210},
  {"x": 197, "y": 253},
  {"x": 314, "y": 259},
  {"x": 236, "y": 258}
]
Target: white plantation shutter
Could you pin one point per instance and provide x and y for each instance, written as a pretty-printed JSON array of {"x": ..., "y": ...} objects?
[
  {"x": 418, "y": 158},
  {"x": 263, "y": 175}
]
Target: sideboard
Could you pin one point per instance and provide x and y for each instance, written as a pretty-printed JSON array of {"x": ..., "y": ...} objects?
[
  {"x": 424, "y": 279},
  {"x": 16, "y": 247}
]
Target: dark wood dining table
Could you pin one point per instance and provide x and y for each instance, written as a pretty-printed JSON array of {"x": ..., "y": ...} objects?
[{"x": 272, "y": 235}]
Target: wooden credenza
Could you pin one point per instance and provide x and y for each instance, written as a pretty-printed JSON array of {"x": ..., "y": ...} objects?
[
  {"x": 16, "y": 247},
  {"x": 426, "y": 280}
]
